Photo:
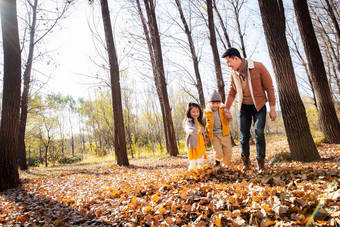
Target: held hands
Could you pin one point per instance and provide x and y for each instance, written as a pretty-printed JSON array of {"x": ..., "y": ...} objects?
[
  {"x": 199, "y": 132},
  {"x": 227, "y": 113}
]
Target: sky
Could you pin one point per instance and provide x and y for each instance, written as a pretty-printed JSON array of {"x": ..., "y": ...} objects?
[
  {"x": 74, "y": 47},
  {"x": 77, "y": 52}
]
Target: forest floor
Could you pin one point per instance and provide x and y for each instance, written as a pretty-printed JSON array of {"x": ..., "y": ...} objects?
[{"x": 161, "y": 192}]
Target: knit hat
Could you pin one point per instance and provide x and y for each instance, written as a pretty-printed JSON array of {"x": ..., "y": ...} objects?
[{"x": 215, "y": 97}]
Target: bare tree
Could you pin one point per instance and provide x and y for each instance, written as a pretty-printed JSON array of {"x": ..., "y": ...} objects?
[
  {"x": 49, "y": 124},
  {"x": 213, "y": 44},
  {"x": 9, "y": 176},
  {"x": 301, "y": 144},
  {"x": 152, "y": 37},
  {"x": 327, "y": 116},
  {"x": 24, "y": 100},
  {"x": 187, "y": 31},
  {"x": 330, "y": 11},
  {"x": 296, "y": 50},
  {"x": 33, "y": 41},
  {"x": 225, "y": 33},
  {"x": 119, "y": 132},
  {"x": 237, "y": 6},
  {"x": 152, "y": 119},
  {"x": 328, "y": 41}
]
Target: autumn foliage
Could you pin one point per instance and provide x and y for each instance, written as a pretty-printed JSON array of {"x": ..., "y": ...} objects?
[{"x": 161, "y": 192}]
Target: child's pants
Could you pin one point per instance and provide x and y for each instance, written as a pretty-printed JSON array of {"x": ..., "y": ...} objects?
[{"x": 222, "y": 148}]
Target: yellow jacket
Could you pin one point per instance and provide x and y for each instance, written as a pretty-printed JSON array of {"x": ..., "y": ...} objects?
[{"x": 209, "y": 117}]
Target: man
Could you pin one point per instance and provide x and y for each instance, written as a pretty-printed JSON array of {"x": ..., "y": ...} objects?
[{"x": 253, "y": 83}]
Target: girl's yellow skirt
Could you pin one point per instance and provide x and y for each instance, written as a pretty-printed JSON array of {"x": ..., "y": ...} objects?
[{"x": 200, "y": 151}]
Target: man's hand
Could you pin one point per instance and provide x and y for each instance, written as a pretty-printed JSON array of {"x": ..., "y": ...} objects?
[{"x": 272, "y": 113}]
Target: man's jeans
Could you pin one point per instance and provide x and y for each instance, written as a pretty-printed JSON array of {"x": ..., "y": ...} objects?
[{"x": 247, "y": 113}]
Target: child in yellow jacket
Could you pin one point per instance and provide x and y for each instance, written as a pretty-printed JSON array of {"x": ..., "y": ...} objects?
[{"x": 217, "y": 128}]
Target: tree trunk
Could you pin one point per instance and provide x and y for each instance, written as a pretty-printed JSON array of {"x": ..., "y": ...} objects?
[
  {"x": 46, "y": 151},
  {"x": 25, "y": 93},
  {"x": 72, "y": 136},
  {"x": 153, "y": 64},
  {"x": 226, "y": 36},
  {"x": 40, "y": 155},
  {"x": 119, "y": 132},
  {"x": 155, "y": 52},
  {"x": 301, "y": 144},
  {"x": 327, "y": 116},
  {"x": 72, "y": 145},
  {"x": 9, "y": 176},
  {"x": 213, "y": 44},
  {"x": 63, "y": 147},
  {"x": 199, "y": 85}
]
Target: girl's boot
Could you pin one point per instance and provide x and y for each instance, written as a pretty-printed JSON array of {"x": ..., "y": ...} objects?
[
  {"x": 192, "y": 164},
  {"x": 200, "y": 162}
]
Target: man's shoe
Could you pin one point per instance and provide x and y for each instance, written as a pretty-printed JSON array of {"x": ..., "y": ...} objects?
[
  {"x": 217, "y": 163},
  {"x": 260, "y": 165},
  {"x": 246, "y": 164}
]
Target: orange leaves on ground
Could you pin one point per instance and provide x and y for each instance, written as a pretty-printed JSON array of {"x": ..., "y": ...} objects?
[
  {"x": 267, "y": 208},
  {"x": 169, "y": 221},
  {"x": 153, "y": 192},
  {"x": 217, "y": 221},
  {"x": 269, "y": 223}
]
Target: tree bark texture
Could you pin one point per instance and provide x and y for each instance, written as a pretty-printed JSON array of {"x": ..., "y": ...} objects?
[
  {"x": 154, "y": 45},
  {"x": 9, "y": 176},
  {"x": 213, "y": 44},
  {"x": 187, "y": 31},
  {"x": 301, "y": 144},
  {"x": 327, "y": 115},
  {"x": 119, "y": 132}
]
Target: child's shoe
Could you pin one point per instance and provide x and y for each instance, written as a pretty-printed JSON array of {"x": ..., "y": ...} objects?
[
  {"x": 217, "y": 163},
  {"x": 200, "y": 162},
  {"x": 192, "y": 164}
]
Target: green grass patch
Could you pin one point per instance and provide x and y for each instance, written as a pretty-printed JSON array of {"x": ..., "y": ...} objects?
[{"x": 88, "y": 158}]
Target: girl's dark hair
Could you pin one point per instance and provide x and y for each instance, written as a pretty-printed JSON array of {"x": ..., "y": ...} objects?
[{"x": 189, "y": 117}]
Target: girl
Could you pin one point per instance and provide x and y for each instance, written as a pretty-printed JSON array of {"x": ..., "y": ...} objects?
[{"x": 194, "y": 129}]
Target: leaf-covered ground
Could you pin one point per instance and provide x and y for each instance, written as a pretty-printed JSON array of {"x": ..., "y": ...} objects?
[{"x": 161, "y": 192}]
